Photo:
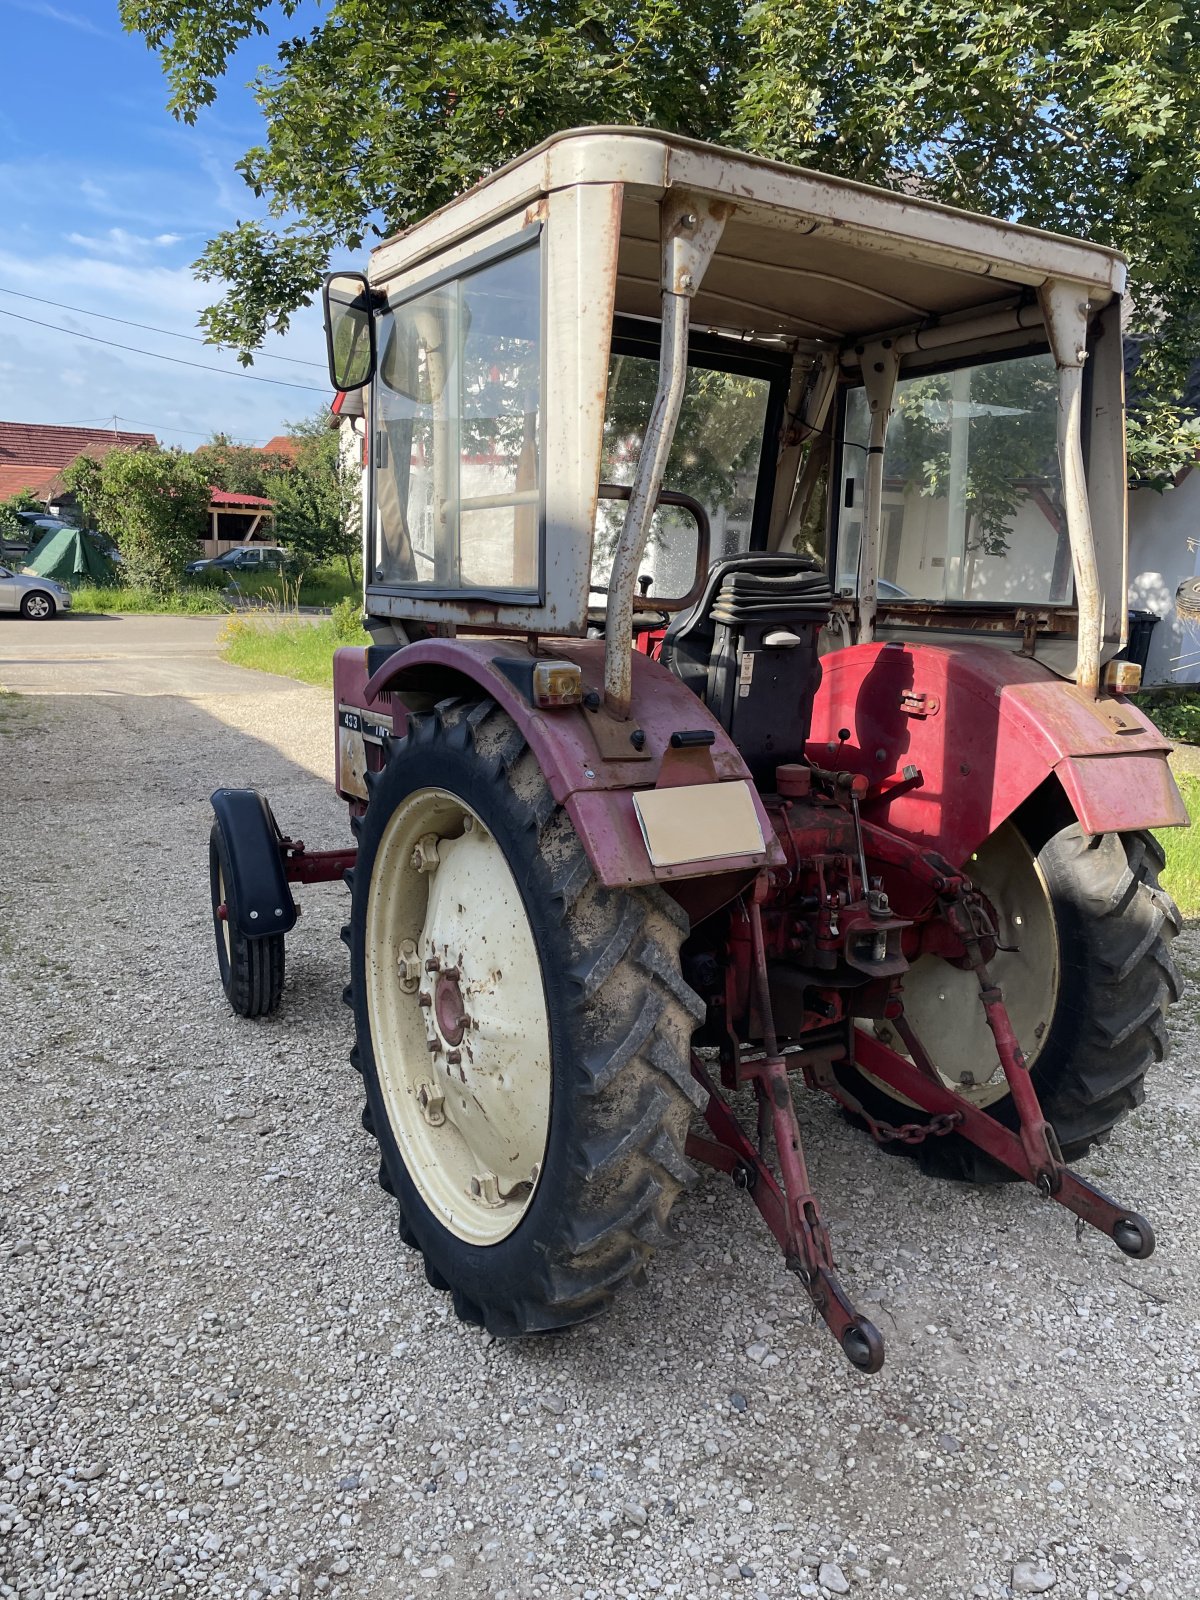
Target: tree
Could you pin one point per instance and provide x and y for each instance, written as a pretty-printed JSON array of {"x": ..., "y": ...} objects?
[
  {"x": 1080, "y": 118},
  {"x": 153, "y": 504},
  {"x": 238, "y": 468},
  {"x": 10, "y": 523},
  {"x": 82, "y": 479},
  {"x": 317, "y": 504}
]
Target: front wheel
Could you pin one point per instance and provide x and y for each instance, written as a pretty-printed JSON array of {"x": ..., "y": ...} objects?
[
  {"x": 1085, "y": 968},
  {"x": 523, "y": 1033},
  {"x": 251, "y": 970},
  {"x": 37, "y": 607}
]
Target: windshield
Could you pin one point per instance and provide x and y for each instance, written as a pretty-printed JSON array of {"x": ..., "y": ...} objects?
[
  {"x": 714, "y": 458},
  {"x": 972, "y": 496}
]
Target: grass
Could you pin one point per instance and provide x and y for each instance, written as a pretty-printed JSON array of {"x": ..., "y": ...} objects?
[
  {"x": 128, "y": 599},
  {"x": 297, "y": 648},
  {"x": 202, "y": 597},
  {"x": 1181, "y": 876},
  {"x": 320, "y": 586}
]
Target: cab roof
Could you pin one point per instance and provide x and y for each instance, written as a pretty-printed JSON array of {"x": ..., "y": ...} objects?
[{"x": 804, "y": 255}]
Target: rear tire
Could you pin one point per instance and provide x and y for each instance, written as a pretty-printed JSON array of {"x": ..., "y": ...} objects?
[
  {"x": 1116, "y": 979},
  {"x": 251, "y": 969},
  {"x": 617, "y": 1015}
]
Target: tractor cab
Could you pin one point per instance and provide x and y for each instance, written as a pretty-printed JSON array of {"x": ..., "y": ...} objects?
[
  {"x": 745, "y": 560},
  {"x": 626, "y": 357}
]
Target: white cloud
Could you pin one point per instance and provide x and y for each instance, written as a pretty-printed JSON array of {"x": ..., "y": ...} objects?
[
  {"x": 119, "y": 242},
  {"x": 69, "y": 19}
]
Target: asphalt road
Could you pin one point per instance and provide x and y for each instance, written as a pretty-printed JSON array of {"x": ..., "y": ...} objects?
[
  {"x": 123, "y": 656},
  {"x": 223, "y": 1375}
]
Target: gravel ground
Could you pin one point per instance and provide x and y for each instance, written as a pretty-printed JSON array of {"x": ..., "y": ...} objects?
[{"x": 222, "y": 1374}]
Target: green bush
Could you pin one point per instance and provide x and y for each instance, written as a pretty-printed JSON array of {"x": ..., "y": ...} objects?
[{"x": 1177, "y": 716}]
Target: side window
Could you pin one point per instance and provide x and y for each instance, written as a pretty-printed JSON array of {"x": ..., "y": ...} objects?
[
  {"x": 457, "y": 478},
  {"x": 972, "y": 498},
  {"x": 714, "y": 457}
]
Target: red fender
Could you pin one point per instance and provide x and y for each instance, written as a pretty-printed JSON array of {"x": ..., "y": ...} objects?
[
  {"x": 594, "y": 780},
  {"x": 984, "y": 729}
]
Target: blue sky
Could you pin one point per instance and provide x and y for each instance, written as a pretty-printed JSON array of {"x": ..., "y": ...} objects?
[{"x": 105, "y": 200}]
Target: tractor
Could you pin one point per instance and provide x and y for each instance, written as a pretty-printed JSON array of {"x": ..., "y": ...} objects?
[{"x": 745, "y": 569}]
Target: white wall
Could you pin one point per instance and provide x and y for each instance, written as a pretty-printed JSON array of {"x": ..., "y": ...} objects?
[{"x": 1164, "y": 532}]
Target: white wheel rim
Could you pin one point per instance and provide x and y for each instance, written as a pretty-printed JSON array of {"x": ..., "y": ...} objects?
[
  {"x": 457, "y": 1011},
  {"x": 37, "y": 606},
  {"x": 224, "y": 921},
  {"x": 942, "y": 1001}
]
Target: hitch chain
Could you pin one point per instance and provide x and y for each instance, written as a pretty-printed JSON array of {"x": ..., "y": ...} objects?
[
  {"x": 910, "y": 1132},
  {"x": 819, "y": 1075}
]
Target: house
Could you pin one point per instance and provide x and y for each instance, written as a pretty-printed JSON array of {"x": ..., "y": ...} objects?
[
  {"x": 33, "y": 456},
  {"x": 1164, "y": 550},
  {"x": 237, "y": 519},
  {"x": 283, "y": 444}
]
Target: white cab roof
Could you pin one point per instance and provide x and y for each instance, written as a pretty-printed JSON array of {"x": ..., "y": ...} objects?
[{"x": 803, "y": 255}]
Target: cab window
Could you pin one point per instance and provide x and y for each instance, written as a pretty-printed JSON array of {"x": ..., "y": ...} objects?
[
  {"x": 717, "y": 457},
  {"x": 972, "y": 495},
  {"x": 456, "y": 417}
]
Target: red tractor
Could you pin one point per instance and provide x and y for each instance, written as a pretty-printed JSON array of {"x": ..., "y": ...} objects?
[{"x": 745, "y": 564}]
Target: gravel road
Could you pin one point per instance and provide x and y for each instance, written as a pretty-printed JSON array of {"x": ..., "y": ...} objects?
[{"x": 221, "y": 1373}]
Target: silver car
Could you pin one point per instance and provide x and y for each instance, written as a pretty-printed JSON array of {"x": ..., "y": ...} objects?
[{"x": 34, "y": 597}]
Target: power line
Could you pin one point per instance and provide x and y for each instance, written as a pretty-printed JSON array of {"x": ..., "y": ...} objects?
[
  {"x": 193, "y": 338},
  {"x": 200, "y": 366},
  {"x": 159, "y": 427}
]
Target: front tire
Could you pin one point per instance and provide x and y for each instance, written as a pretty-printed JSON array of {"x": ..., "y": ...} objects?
[
  {"x": 523, "y": 1032},
  {"x": 1090, "y": 979},
  {"x": 251, "y": 970},
  {"x": 37, "y": 606}
]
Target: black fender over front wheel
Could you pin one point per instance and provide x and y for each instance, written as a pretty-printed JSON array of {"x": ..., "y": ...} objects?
[{"x": 251, "y": 970}]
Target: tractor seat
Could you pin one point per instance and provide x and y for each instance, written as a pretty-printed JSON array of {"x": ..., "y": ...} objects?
[{"x": 748, "y": 649}]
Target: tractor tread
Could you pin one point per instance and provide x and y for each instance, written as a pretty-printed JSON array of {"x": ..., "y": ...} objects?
[
  {"x": 626, "y": 1051},
  {"x": 1109, "y": 1028}
]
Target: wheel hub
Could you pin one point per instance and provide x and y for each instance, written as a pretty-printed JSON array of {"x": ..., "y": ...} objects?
[
  {"x": 448, "y": 1008},
  {"x": 941, "y": 997}
]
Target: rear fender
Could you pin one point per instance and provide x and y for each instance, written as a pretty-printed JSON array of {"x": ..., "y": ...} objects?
[
  {"x": 252, "y": 837},
  {"x": 980, "y": 730},
  {"x": 591, "y": 763}
]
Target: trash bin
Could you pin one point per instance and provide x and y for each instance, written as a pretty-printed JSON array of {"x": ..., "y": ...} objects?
[{"x": 1137, "y": 648}]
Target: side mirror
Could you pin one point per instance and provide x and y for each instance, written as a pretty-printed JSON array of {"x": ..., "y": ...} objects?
[{"x": 349, "y": 330}]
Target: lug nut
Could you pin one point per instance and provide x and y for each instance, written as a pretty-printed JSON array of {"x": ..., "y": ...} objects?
[{"x": 425, "y": 856}]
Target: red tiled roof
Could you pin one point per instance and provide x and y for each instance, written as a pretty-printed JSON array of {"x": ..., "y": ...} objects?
[
  {"x": 38, "y": 480},
  {"x": 281, "y": 445},
  {"x": 44, "y": 445},
  {"x": 222, "y": 497}
]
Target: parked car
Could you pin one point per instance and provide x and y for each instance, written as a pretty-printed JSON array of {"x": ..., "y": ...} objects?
[
  {"x": 35, "y": 598},
  {"x": 244, "y": 558},
  {"x": 40, "y": 522}
]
